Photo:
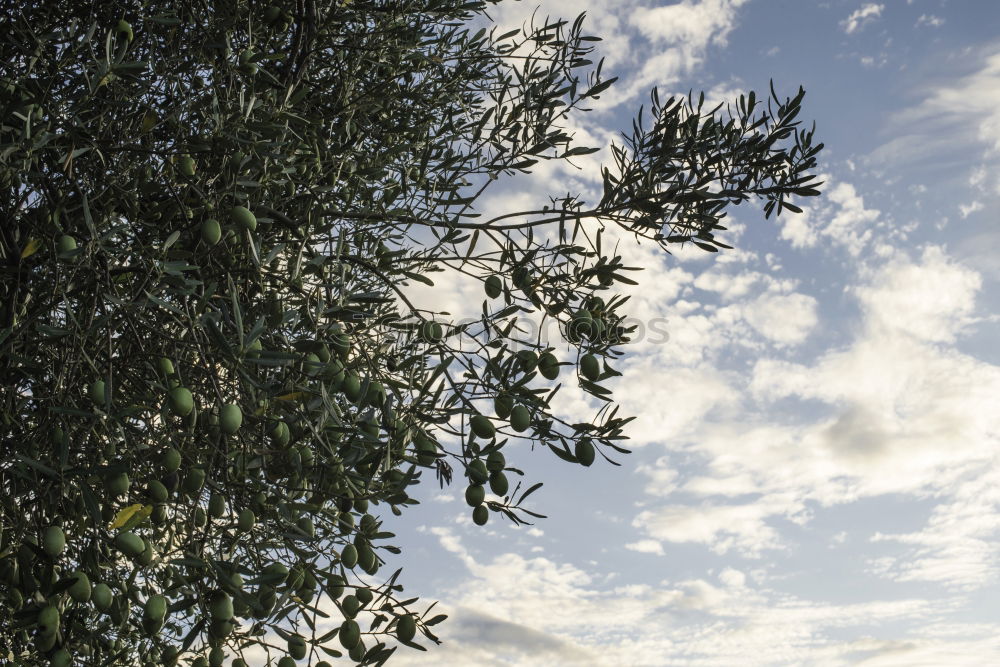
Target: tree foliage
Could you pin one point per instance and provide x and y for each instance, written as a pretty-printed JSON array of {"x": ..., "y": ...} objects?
[{"x": 215, "y": 379}]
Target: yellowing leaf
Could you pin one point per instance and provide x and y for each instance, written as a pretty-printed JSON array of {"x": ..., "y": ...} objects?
[
  {"x": 131, "y": 516},
  {"x": 294, "y": 396},
  {"x": 138, "y": 517},
  {"x": 31, "y": 248}
]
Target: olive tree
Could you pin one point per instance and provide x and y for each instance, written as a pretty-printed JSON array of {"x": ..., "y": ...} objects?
[{"x": 215, "y": 379}]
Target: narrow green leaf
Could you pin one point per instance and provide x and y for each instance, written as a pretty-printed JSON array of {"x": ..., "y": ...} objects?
[
  {"x": 530, "y": 491},
  {"x": 172, "y": 239},
  {"x": 600, "y": 87},
  {"x": 40, "y": 467},
  {"x": 419, "y": 278}
]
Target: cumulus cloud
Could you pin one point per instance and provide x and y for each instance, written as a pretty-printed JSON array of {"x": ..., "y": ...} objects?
[
  {"x": 680, "y": 34},
  {"x": 670, "y": 401},
  {"x": 782, "y": 318},
  {"x": 506, "y": 609},
  {"x": 720, "y": 527},
  {"x": 727, "y": 285},
  {"x": 839, "y": 219},
  {"x": 799, "y": 229},
  {"x": 694, "y": 24},
  {"x": 646, "y": 547},
  {"x": 859, "y": 18},
  {"x": 851, "y": 223},
  {"x": 891, "y": 412},
  {"x": 965, "y": 210},
  {"x": 932, "y": 299},
  {"x": 856, "y": 432},
  {"x": 733, "y": 578}
]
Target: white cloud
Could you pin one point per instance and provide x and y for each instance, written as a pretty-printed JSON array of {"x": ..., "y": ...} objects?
[
  {"x": 728, "y": 286},
  {"x": 799, "y": 230},
  {"x": 693, "y": 24},
  {"x": 861, "y": 17},
  {"x": 954, "y": 114},
  {"x": 977, "y": 176},
  {"x": 839, "y": 218},
  {"x": 784, "y": 318},
  {"x": 932, "y": 300},
  {"x": 669, "y": 401},
  {"x": 662, "y": 478},
  {"x": 732, "y": 578},
  {"x": 680, "y": 35},
  {"x": 929, "y": 652},
  {"x": 646, "y": 547},
  {"x": 903, "y": 412},
  {"x": 719, "y": 527},
  {"x": 507, "y": 609},
  {"x": 985, "y": 180},
  {"x": 851, "y": 225},
  {"x": 965, "y": 210},
  {"x": 930, "y": 20},
  {"x": 892, "y": 412},
  {"x": 873, "y": 61}
]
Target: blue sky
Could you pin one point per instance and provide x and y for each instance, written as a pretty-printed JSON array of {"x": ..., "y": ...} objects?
[{"x": 815, "y": 475}]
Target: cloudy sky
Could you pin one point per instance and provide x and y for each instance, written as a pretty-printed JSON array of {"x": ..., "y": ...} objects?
[{"x": 815, "y": 477}]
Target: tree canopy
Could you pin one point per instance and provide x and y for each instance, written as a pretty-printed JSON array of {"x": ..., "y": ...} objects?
[{"x": 214, "y": 378}]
